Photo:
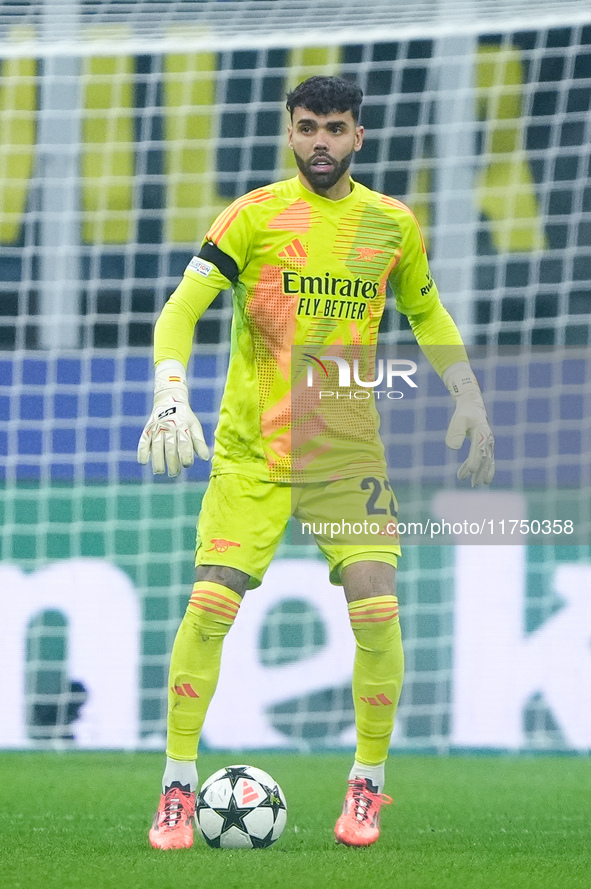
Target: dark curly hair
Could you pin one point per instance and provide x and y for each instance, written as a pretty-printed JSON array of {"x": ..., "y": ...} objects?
[{"x": 324, "y": 95}]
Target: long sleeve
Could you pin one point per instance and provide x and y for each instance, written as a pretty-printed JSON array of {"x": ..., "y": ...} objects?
[
  {"x": 173, "y": 334},
  {"x": 417, "y": 297},
  {"x": 438, "y": 336}
]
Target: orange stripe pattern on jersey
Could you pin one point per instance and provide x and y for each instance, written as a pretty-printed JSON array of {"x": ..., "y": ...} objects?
[
  {"x": 225, "y": 219},
  {"x": 312, "y": 272},
  {"x": 392, "y": 202},
  {"x": 297, "y": 218}
]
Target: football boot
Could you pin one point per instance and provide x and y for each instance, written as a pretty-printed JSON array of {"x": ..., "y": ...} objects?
[
  {"x": 359, "y": 824},
  {"x": 173, "y": 822}
]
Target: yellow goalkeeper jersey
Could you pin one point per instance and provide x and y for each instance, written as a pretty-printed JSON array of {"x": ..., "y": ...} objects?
[{"x": 310, "y": 273}]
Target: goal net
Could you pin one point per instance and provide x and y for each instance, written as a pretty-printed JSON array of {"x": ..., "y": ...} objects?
[{"x": 127, "y": 126}]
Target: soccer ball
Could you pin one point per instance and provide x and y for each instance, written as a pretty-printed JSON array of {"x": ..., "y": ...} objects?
[{"x": 241, "y": 807}]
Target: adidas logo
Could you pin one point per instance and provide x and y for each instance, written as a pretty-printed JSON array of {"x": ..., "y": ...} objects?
[
  {"x": 184, "y": 690},
  {"x": 294, "y": 250},
  {"x": 380, "y": 699},
  {"x": 249, "y": 793}
]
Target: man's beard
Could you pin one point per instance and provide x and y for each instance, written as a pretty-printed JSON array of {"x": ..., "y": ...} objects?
[{"x": 323, "y": 181}]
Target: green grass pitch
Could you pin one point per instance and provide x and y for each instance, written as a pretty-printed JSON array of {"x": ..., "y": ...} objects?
[{"x": 80, "y": 820}]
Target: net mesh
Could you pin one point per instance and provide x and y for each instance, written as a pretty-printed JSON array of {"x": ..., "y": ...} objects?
[{"x": 115, "y": 155}]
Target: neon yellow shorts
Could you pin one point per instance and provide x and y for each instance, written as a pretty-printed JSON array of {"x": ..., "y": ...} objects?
[{"x": 242, "y": 522}]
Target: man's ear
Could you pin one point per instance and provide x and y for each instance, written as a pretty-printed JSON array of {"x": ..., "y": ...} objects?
[
  {"x": 289, "y": 135},
  {"x": 359, "y": 132}
]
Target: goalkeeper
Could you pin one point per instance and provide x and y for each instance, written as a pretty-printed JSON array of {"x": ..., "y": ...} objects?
[{"x": 308, "y": 260}]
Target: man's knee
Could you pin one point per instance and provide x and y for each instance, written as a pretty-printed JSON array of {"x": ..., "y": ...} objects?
[
  {"x": 366, "y": 579},
  {"x": 229, "y": 577}
]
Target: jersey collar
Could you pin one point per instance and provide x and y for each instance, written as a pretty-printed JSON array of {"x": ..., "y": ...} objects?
[{"x": 326, "y": 204}]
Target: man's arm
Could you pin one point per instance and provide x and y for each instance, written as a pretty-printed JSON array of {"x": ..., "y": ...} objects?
[
  {"x": 173, "y": 333},
  {"x": 173, "y": 434},
  {"x": 440, "y": 340},
  {"x": 207, "y": 274}
]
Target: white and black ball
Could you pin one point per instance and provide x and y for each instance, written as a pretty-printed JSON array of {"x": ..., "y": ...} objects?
[{"x": 241, "y": 807}]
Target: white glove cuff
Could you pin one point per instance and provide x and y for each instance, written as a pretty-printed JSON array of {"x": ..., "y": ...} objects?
[
  {"x": 168, "y": 374},
  {"x": 459, "y": 379}
]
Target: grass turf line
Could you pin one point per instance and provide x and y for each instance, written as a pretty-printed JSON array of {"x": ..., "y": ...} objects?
[{"x": 80, "y": 821}]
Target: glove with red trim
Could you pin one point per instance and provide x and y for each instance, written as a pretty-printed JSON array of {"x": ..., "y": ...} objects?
[{"x": 173, "y": 434}]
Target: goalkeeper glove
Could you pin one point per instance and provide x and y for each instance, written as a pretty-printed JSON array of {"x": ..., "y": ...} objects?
[
  {"x": 469, "y": 419},
  {"x": 173, "y": 432}
]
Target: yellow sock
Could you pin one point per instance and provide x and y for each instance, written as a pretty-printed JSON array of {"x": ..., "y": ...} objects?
[
  {"x": 377, "y": 674},
  {"x": 195, "y": 664}
]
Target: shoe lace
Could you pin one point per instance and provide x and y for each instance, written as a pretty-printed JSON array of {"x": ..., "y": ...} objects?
[
  {"x": 176, "y": 804},
  {"x": 364, "y": 800}
]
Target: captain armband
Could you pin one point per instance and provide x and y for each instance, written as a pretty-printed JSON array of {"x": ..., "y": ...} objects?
[{"x": 210, "y": 254}]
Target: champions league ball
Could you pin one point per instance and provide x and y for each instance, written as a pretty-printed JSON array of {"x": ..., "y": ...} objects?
[{"x": 240, "y": 807}]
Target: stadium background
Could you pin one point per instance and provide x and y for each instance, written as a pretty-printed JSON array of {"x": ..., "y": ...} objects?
[{"x": 127, "y": 127}]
